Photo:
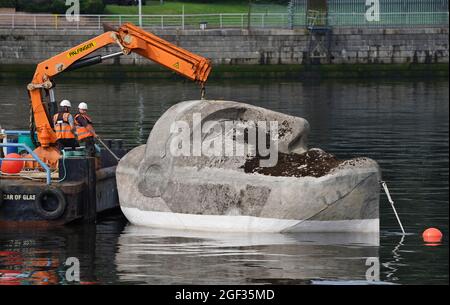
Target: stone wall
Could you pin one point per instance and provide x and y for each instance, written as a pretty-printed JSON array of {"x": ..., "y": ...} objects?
[{"x": 262, "y": 46}]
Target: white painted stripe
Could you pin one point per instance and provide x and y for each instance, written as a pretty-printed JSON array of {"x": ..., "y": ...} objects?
[
  {"x": 226, "y": 223},
  {"x": 355, "y": 225}
]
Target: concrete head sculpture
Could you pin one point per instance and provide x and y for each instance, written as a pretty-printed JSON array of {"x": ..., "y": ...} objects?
[{"x": 222, "y": 165}]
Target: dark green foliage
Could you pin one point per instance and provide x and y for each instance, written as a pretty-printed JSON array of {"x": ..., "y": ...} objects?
[
  {"x": 58, "y": 6},
  {"x": 92, "y": 6},
  {"x": 7, "y": 3}
]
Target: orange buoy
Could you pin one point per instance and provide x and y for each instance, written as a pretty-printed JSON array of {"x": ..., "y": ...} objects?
[
  {"x": 432, "y": 235},
  {"x": 12, "y": 167}
]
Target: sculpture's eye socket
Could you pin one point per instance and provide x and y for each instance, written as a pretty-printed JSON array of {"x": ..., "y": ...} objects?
[{"x": 151, "y": 181}]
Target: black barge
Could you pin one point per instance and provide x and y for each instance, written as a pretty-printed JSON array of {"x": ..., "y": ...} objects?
[{"x": 80, "y": 190}]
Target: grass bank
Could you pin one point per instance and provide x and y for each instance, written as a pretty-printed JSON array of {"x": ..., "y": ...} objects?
[{"x": 175, "y": 7}]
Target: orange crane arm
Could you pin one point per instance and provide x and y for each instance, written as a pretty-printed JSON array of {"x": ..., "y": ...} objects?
[{"x": 129, "y": 38}]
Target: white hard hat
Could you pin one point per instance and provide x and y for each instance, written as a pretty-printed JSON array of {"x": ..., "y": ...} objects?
[
  {"x": 83, "y": 106},
  {"x": 65, "y": 103}
]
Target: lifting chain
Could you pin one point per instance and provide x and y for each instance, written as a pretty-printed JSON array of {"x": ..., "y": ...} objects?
[{"x": 203, "y": 92}]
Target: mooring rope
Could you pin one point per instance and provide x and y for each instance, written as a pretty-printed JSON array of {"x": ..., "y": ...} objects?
[{"x": 386, "y": 190}]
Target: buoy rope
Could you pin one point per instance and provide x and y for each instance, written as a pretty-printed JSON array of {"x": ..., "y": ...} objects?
[
  {"x": 386, "y": 190},
  {"x": 64, "y": 166}
]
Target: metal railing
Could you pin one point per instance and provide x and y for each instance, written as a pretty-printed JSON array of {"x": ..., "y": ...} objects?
[
  {"x": 220, "y": 21},
  {"x": 185, "y": 21}
]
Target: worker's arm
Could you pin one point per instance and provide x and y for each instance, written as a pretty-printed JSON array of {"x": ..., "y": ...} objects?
[
  {"x": 72, "y": 124},
  {"x": 92, "y": 130},
  {"x": 83, "y": 122}
]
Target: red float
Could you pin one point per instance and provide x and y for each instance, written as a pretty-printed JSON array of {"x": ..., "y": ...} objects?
[
  {"x": 432, "y": 235},
  {"x": 12, "y": 167}
]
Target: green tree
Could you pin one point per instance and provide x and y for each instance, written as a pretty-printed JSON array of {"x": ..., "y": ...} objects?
[
  {"x": 92, "y": 7},
  {"x": 7, "y": 3},
  {"x": 58, "y": 7}
]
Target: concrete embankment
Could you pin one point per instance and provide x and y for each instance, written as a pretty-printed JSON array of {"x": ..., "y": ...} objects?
[{"x": 346, "y": 52}]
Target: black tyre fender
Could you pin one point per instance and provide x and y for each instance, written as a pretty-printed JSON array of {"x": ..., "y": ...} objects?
[
  {"x": 1, "y": 198},
  {"x": 55, "y": 194}
]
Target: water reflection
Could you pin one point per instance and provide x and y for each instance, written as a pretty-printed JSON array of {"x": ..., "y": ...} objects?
[
  {"x": 37, "y": 256},
  {"x": 154, "y": 256},
  {"x": 393, "y": 265},
  {"x": 114, "y": 252}
]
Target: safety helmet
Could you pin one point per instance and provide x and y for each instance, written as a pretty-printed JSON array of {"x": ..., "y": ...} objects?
[
  {"x": 65, "y": 103},
  {"x": 83, "y": 106}
]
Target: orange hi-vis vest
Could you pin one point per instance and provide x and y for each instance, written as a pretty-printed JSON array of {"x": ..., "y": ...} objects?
[
  {"x": 62, "y": 127},
  {"x": 82, "y": 131}
]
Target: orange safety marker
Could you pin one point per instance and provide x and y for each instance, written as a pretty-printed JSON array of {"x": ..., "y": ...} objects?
[
  {"x": 12, "y": 166},
  {"x": 432, "y": 235}
]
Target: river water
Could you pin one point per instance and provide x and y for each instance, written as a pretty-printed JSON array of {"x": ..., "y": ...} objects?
[{"x": 403, "y": 125}]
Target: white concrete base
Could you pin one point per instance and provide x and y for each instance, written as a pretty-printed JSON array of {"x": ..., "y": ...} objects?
[{"x": 225, "y": 223}]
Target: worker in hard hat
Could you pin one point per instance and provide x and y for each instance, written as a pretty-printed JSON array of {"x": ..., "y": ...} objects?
[
  {"x": 64, "y": 126},
  {"x": 85, "y": 129}
]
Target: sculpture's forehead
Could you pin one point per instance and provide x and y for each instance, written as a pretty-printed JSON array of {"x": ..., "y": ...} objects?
[
  {"x": 196, "y": 115},
  {"x": 221, "y": 109}
]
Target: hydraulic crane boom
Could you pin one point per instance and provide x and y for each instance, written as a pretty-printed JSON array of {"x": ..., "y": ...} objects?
[{"x": 129, "y": 38}]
